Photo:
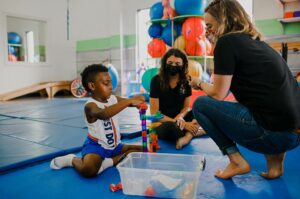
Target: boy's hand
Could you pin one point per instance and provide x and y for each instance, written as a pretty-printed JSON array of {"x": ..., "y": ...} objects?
[
  {"x": 136, "y": 102},
  {"x": 139, "y": 97}
]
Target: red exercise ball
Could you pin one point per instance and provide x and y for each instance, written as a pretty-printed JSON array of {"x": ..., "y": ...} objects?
[
  {"x": 195, "y": 48},
  {"x": 12, "y": 58},
  {"x": 193, "y": 28},
  {"x": 157, "y": 48}
]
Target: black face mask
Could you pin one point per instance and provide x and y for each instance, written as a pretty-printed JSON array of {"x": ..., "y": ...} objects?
[{"x": 173, "y": 70}]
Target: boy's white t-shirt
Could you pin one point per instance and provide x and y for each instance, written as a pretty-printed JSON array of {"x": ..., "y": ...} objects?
[{"x": 107, "y": 132}]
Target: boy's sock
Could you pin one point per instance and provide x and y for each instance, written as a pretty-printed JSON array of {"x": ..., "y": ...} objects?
[
  {"x": 62, "y": 161},
  {"x": 106, "y": 163}
]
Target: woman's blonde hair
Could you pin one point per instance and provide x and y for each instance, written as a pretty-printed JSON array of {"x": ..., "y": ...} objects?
[{"x": 232, "y": 18}]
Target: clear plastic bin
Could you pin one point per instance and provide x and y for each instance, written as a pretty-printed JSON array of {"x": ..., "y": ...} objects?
[{"x": 161, "y": 174}]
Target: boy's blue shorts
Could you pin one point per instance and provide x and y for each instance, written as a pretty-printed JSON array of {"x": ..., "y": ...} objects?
[{"x": 90, "y": 146}]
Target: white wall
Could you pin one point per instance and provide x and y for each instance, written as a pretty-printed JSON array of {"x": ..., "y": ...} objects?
[
  {"x": 129, "y": 9},
  {"x": 90, "y": 19},
  {"x": 61, "y": 52},
  {"x": 267, "y": 9}
]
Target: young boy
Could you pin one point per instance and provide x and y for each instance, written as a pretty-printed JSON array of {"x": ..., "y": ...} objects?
[{"x": 103, "y": 147}]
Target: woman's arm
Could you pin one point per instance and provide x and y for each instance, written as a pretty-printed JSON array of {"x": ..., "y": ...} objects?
[
  {"x": 154, "y": 108},
  {"x": 185, "y": 109},
  {"x": 218, "y": 90}
]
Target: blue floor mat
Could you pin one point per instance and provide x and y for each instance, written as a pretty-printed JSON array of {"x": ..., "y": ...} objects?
[
  {"x": 34, "y": 139},
  {"x": 39, "y": 181},
  {"x": 57, "y": 124},
  {"x": 16, "y": 152},
  {"x": 22, "y": 107},
  {"x": 4, "y": 117}
]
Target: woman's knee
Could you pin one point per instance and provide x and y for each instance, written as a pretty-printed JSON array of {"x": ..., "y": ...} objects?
[{"x": 201, "y": 103}]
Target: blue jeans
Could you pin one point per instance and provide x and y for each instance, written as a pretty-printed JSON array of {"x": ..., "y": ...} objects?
[{"x": 228, "y": 123}]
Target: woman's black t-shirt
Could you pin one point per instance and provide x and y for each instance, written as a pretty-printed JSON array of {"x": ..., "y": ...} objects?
[
  {"x": 170, "y": 101},
  {"x": 261, "y": 80}
]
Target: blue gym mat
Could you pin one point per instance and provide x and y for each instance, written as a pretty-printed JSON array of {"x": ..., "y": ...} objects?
[
  {"x": 39, "y": 181},
  {"x": 54, "y": 127},
  {"x": 35, "y": 141}
]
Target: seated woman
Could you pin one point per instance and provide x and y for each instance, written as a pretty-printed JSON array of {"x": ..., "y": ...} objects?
[{"x": 170, "y": 94}]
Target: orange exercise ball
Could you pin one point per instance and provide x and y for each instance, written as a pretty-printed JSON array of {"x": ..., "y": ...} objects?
[
  {"x": 193, "y": 28},
  {"x": 180, "y": 43},
  {"x": 194, "y": 69},
  {"x": 157, "y": 48},
  {"x": 12, "y": 58},
  {"x": 195, "y": 48}
]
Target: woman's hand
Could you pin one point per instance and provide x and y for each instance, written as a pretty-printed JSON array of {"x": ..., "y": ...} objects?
[
  {"x": 180, "y": 123},
  {"x": 194, "y": 82},
  {"x": 192, "y": 127}
]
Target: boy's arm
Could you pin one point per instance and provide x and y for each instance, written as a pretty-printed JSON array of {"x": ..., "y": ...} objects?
[
  {"x": 93, "y": 112},
  {"x": 135, "y": 98}
]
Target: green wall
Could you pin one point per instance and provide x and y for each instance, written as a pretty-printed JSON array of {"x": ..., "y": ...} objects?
[
  {"x": 105, "y": 43},
  {"x": 273, "y": 27}
]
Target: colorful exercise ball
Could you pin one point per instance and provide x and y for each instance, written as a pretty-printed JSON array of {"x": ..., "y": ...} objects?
[
  {"x": 195, "y": 48},
  {"x": 178, "y": 28},
  {"x": 11, "y": 50},
  {"x": 156, "y": 48},
  {"x": 113, "y": 75},
  {"x": 155, "y": 30},
  {"x": 180, "y": 43},
  {"x": 194, "y": 69},
  {"x": 147, "y": 76},
  {"x": 190, "y": 7},
  {"x": 12, "y": 58},
  {"x": 193, "y": 28},
  {"x": 169, "y": 12},
  {"x": 156, "y": 11},
  {"x": 167, "y": 34},
  {"x": 14, "y": 38}
]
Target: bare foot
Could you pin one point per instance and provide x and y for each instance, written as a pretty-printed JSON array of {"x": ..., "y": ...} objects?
[
  {"x": 181, "y": 142},
  {"x": 237, "y": 166},
  {"x": 275, "y": 166}
]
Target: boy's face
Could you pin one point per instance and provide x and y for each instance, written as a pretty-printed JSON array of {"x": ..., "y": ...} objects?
[{"x": 102, "y": 86}]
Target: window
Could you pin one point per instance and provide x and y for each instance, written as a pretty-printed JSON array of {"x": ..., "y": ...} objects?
[{"x": 26, "y": 40}]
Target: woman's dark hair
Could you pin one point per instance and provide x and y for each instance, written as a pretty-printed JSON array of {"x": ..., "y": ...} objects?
[
  {"x": 90, "y": 72},
  {"x": 183, "y": 75}
]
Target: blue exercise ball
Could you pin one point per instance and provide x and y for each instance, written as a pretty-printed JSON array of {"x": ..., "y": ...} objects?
[
  {"x": 156, "y": 11},
  {"x": 190, "y": 7},
  {"x": 178, "y": 29},
  {"x": 167, "y": 34},
  {"x": 14, "y": 38},
  {"x": 155, "y": 30},
  {"x": 113, "y": 75},
  {"x": 12, "y": 50}
]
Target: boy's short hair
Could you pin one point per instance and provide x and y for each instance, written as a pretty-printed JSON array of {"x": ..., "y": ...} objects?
[{"x": 89, "y": 73}]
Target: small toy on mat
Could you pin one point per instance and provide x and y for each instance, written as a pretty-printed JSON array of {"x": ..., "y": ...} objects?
[{"x": 115, "y": 187}]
